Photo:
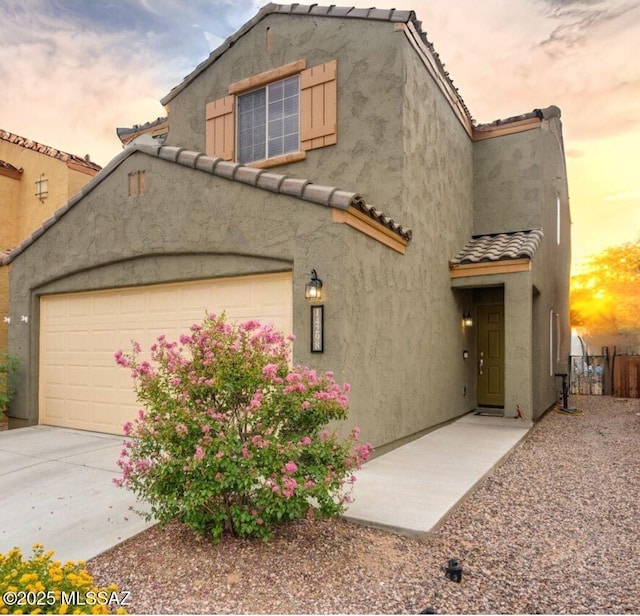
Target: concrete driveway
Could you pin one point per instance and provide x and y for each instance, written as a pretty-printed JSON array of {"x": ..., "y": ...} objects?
[{"x": 56, "y": 489}]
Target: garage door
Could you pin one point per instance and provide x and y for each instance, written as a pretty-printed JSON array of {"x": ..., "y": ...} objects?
[{"x": 80, "y": 384}]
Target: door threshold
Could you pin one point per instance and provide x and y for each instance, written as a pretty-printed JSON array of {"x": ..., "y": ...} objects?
[{"x": 490, "y": 412}]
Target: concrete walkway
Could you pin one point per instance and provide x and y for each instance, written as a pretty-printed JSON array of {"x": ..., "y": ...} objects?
[
  {"x": 56, "y": 484},
  {"x": 412, "y": 488},
  {"x": 56, "y": 489}
]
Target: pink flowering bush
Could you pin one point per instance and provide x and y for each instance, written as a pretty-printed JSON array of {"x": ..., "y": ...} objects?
[{"x": 231, "y": 438}]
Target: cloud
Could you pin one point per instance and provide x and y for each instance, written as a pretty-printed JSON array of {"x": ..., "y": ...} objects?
[{"x": 79, "y": 70}]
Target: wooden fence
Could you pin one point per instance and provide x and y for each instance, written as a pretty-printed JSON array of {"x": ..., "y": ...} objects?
[{"x": 626, "y": 376}]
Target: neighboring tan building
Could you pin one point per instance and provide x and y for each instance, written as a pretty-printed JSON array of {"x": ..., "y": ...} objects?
[
  {"x": 35, "y": 180},
  {"x": 318, "y": 139}
]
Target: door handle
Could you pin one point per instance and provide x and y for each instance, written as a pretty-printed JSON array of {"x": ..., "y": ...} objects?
[{"x": 480, "y": 365}]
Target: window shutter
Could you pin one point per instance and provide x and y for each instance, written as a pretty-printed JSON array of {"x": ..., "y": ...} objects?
[
  {"x": 220, "y": 139},
  {"x": 318, "y": 106}
]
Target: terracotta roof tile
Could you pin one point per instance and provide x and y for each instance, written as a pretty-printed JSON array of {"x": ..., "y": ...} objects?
[
  {"x": 500, "y": 247},
  {"x": 299, "y": 188},
  {"x": 5, "y": 165},
  {"x": 48, "y": 151}
]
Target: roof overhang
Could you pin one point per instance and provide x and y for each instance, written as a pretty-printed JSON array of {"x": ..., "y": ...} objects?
[{"x": 507, "y": 266}]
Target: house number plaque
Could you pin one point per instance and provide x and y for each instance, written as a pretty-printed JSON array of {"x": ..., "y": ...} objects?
[{"x": 317, "y": 329}]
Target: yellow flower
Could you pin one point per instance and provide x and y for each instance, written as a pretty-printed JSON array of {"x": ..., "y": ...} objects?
[{"x": 63, "y": 608}]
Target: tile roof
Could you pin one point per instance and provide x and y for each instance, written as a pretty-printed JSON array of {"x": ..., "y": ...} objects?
[
  {"x": 499, "y": 247},
  {"x": 48, "y": 151},
  {"x": 158, "y": 129},
  {"x": 5, "y": 165},
  {"x": 259, "y": 178},
  {"x": 315, "y": 10},
  {"x": 542, "y": 114}
]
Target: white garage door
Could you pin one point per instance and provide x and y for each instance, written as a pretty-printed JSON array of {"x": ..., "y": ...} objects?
[{"x": 80, "y": 384}]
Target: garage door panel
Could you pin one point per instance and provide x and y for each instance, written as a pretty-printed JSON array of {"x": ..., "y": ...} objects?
[
  {"x": 56, "y": 409},
  {"x": 81, "y": 386},
  {"x": 77, "y": 376}
]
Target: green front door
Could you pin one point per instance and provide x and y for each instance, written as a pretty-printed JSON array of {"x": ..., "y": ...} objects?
[{"x": 491, "y": 355}]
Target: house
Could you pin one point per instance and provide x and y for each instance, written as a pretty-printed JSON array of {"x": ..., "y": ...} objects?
[
  {"x": 35, "y": 180},
  {"x": 151, "y": 132},
  {"x": 442, "y": 246}
]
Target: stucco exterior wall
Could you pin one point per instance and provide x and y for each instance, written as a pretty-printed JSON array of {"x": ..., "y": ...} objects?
[
  {"x": 30, "y": 211},
  {"x": 507, "y": 183},
  {"x": 551, "y": 272},
  {"x": 517, "y": 181},
  {"x": 393, "y": 322},
  {"x": 21, "y": 212},
  {"x": 99, "y": 244},
  {"x": 4, "y": 308},
  {"x": 368, "y": 155}
]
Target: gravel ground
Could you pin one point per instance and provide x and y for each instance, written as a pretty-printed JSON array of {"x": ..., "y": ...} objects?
[{"x": 552, "y": 530}]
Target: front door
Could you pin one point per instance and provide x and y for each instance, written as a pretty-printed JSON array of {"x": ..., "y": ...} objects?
[{"x": 491, "y": 355}]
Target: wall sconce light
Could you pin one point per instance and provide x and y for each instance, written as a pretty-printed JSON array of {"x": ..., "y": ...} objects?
[
  {"x": 42, "y": 187},
  {"x": 313, "y": 288},
  {"x": 467, "y": 319}
]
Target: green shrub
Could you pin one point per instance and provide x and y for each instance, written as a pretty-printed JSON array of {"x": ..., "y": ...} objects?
[
  {"x": 8, "y": 377},
  {"x": 231, "y": 437}
]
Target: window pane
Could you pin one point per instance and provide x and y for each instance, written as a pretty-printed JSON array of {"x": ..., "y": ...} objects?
[
  {"x": 276, "y": 110},
  {"x": 252, "y": 126},
  {"x": 276, "y": 129},
  {"x": 276, "y": 147},
  {"x": 291, "y": 143},
  {"x": 291, "y": 86},
  {"x": 283, "y": 116}
]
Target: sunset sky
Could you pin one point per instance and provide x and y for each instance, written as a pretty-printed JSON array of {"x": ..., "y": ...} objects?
[{"x": 74, "y": 70}]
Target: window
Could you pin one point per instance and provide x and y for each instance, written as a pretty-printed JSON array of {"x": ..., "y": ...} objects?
[
  {"x": 269, "y": 121},
  {"x": 275, "y": 117}
]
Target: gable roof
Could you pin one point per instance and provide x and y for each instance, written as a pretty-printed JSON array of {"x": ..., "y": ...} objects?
[
  {"x": 499, "y": 247},
  {"x": 299, "y": 188},
  {"x": 315, "y": 10},
  {"x": 418, "y": 39}
]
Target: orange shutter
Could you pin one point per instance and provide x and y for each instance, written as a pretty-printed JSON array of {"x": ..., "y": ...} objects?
[
  {"x": 220, "y": 138},
  {"x": 318, "y": 106}
]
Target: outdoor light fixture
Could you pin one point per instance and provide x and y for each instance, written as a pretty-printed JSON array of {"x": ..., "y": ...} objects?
[
  {"x": 313, "y": 288},
  {"x": 467, "y": 319},
  {"x": 453, "y": 570},
  {"x": 42, "y": 187}
]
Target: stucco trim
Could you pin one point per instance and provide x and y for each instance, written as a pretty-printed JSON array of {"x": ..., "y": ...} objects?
[
  {"x": 489, "y": 267},
  {"x": 256, "y": 81},
  {"x": 500, "y": 130},
  {"x": 81, "y": 168},
  {"x": 364, "y": 224},
  {"x": 276, "y": 161},
  {"x": 11, "y": 172}
]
